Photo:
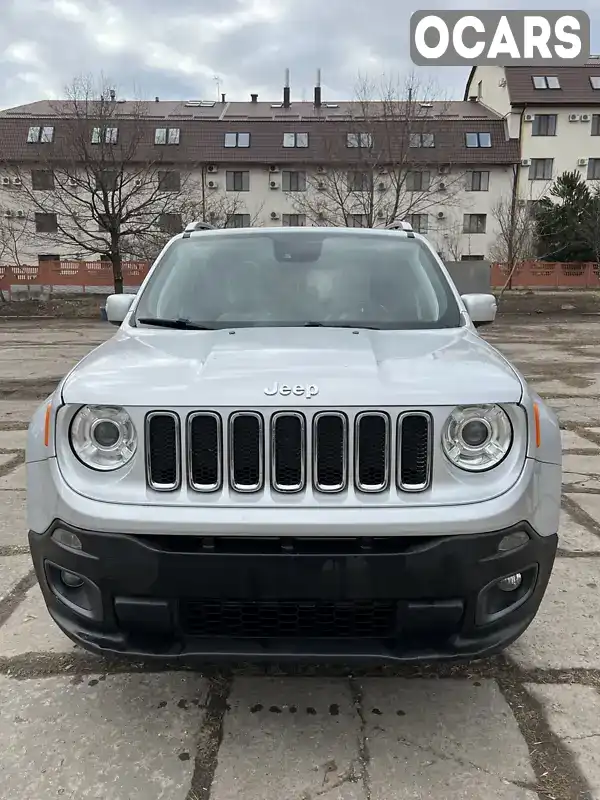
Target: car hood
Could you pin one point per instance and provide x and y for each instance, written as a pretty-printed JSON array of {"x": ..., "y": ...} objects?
[{"x": 170, "y": 368}]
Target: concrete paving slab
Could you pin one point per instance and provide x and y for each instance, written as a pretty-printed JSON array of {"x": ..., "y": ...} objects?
[
  {"x": 12, "y": 570},
  {"x": 30, "y": 629},
  {"x": 570, "y": 441},
  {"x": 590, "y": 503},
  {"x": 13, "y": 519},
  {"x": 13, "y": 440},
  {"x": 573, "y": 713},
  {"x": 18, "y": 410},
  {"x": 574, "y": 538},
  {"x": 5, "y": 459},
  {"x": 566, "y": 632},
  {"x": 16, "y": 479},
  {"x": 581, "y": 464},
  {"x": 289, "y": 738},
  {"x": 115, "y": 737}
]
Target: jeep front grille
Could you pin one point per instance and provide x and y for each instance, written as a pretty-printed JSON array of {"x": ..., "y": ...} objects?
[{"x": 290, "y": 451}]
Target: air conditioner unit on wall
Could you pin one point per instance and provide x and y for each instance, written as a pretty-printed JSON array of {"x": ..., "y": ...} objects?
[
  {"x": 20, "y": 213},
  {"x": 586, "y": 117},
  {"x": 529, "y": 117},
  {"x": 212, "y": 168},
  {"x": 212, "y": 184},
  {"x": 573, "y": 117},
  {"x": 72, "y": 182},
  {"x": 274, "y": 215},
  {"x": 6, "y": 181},
  {"x": 273, "y": 168},
  {"x": 526, "y": 162},
  {"x": 581, "y": 162},
  {"x": 17, "y": 182},
  {"x": 321, "y": 170},
  {"x": 274, "y": 185},
  {"x": 440, "y": 215}
]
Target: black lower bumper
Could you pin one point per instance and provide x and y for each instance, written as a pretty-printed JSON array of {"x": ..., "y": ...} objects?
[{"x": 182, "y": 598}]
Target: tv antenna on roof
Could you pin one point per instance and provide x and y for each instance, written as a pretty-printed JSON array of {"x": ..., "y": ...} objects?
[{"x": 217, "y": 80}]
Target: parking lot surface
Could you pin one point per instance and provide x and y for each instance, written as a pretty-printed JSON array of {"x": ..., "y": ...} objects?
[{"x": 523, "y": 725}]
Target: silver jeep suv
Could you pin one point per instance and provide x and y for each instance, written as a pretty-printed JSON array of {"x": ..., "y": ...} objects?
[{"x": 296, "y": 445}]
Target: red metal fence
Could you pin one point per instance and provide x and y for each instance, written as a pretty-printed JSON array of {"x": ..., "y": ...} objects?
[{"x": 82, "y": 276}]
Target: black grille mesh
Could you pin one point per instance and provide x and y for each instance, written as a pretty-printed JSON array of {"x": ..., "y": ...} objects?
[
  {"x": 288, "y": 451},
  {"x": 162, "y": 450},
  {"x": 414, "y": 450},
  {"x": 372, "y": 442},
  {"x": 264, "y": 619},
  {"x": 246, "y": 450},
  {"x": 330, "y": 449},
  {"x": 204, "y": 445}
]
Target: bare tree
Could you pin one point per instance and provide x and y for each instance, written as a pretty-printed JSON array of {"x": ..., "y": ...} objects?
[
  {"x": 387, "y": 168},
  {"x": 13, "y": 231},
  {"x": 516, "y": 240},
  {"x": 109, "y": 188}
]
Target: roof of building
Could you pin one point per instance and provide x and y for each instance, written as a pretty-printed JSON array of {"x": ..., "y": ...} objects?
[
  {"x": 203, "y": 142},
  {"x": 258, "y": 110},
  {"x": 574, "y": 81}
]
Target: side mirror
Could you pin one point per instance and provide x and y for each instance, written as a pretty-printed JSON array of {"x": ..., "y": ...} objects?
[
  {"x": 481, "y": 308},
  {"x": 117, "y": 307}
]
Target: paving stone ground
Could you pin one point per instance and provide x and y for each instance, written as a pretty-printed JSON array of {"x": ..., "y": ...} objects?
[{"x": 518, "y": 727}]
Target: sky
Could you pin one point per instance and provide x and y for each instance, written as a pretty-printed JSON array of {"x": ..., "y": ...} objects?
[{"x": 196, "y": 49}]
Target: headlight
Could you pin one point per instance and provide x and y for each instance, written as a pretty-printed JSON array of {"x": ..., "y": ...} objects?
[
  {"x": 103, "y": 437},
  {"x": 476, "y": 438}
]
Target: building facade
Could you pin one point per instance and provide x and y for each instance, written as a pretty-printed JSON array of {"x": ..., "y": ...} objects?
[{"x": 443, "y": 166}]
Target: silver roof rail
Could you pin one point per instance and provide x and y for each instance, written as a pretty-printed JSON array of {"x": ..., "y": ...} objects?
[
  {"x": 198, "y": 225},
  {"x": 399, "y": 225}
]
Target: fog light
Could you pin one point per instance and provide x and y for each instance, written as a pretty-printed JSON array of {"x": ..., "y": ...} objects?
[
  {"x": 510, "y": 583},
  {"x": 513, "y": 540},
  {"x": 71, "y": 580},
  {"x": 67, "y": 539}
]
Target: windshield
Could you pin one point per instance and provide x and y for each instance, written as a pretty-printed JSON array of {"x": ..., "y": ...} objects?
[{"x": 297, "y": 278}]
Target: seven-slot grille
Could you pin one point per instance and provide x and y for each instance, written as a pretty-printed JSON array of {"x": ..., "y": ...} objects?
[{"x": 290, "y": 450}]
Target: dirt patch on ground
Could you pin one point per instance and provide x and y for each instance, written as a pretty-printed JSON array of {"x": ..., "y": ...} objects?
[{"x": 521, "y": 303}]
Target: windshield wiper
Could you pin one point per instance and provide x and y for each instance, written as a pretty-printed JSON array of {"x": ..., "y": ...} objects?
[
  {"x": 340, "y": 325},
  {"x": 181, "y": 324}
]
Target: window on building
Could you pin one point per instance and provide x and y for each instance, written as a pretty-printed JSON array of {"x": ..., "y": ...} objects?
[
  {"x": 482, "y": 139},
  {"x": 541, "y": 169},
  {"x": 544, "y": 125},
  {"x": 422, "y": 140},
  {"x": 546, "y": 82},
  {"x": 170, "y": 223},
  {"x": 46, "y": 223},
  {"x": 42, "y": 180},
  {"x": 472, "y": 257},
  {"x": 358, "y": 221},
  {"x": 237, "y": 140},
  {"x": 359, "y": 140},
  {"x": 295, "y": 139},
  {"x": 44, "y": 258},
  {"x": 238, "y": 221},
  {"x": 478, "y": 181},
  {"x": 595, "y": 81},
  {"x": 359, "y": 181},
  {"x": 474, "y": 223},
  {"x": 43, "y": 134},
  {"x": 107, "y": 180},
  {"x": 418, "y": 180},
  {"x": 167, "y": 136},
  {"x": 419, "y": 222},
  {"x": 169, "y": 181},
  {"x": 293, "y": 181},
  {"x": 237, "y": 181},
  {"x": 593, "y": 170},
  {"x": 595, "y": 124},
  {"x": 294, "y": 220},
  {"x": 106, "y": 135}
]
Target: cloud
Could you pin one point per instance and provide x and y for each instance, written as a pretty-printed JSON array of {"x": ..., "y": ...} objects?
[{"x": 197, "y": 48}]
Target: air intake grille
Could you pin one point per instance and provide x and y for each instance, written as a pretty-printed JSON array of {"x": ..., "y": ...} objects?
[
  {"x": 292, "y": 451},
  {"x": 264, "y": 619}
]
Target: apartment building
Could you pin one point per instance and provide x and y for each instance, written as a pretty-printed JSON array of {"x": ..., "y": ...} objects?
[
  {"x": 554, "y": 114},
  {"x": 444, "y": 166}
]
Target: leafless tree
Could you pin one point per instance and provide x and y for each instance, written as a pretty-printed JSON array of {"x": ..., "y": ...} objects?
[
  {"x": 109, "y": 188},
  {"x": 516, "y": 240},
  {"x": 13, "y": 230},
  {"x": 387, "y": 168}
]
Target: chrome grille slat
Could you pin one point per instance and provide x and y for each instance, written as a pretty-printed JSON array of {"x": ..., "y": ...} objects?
[
  {"x": 288, "y": 451},
  {"x": 163, "y": 451},
  {"x": 330, "y": 451},
  {"x": 372, "y": 451},
  {"x": 246, "y": 451},
  {"x": 205, "y": 451},
  {"x": 415, "y": 457}
]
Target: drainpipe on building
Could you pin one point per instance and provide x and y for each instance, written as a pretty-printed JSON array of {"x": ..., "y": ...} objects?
[{"x": 514, "y": 201}]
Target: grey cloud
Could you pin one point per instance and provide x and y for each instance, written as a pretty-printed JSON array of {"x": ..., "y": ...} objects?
[{"x": 340, "y": 37}]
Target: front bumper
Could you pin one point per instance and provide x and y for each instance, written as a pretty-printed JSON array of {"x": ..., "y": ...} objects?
[{"x": 191, "y": 598}]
